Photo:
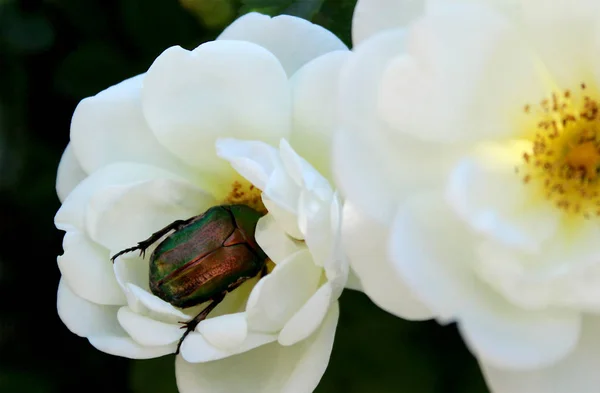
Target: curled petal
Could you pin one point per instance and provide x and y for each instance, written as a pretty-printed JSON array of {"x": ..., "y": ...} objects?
[
  {"x": 128, "y": 348},
  {"x": 279, "y": 295},
  {"x": 70, "y": 173},
  {"x": 374, "y": 16},
  {"x": 85, "y": 318},
  {"x": 575, "y": 373},
  {"x": 110, "y": 127},
  {"x": 146, "y": 331},
  {"x": 220, "y": 89},
  {"x": 271, "y": 368},
  {"x": 365, "y": 242},
  {"x": 87, "y": 268},
  {"x": 314, "y": 99},
  {"x": 294, "y": 41}
]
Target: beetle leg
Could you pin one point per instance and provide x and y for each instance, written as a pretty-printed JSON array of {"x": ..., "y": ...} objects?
[
  {"x": 144, "y": 244},
  {"x": 191, "y": 325}
]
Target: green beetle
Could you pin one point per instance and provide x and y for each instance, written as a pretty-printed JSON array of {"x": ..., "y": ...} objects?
[{"x": 204, "y": 258}]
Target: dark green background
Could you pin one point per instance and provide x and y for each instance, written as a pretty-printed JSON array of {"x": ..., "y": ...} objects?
[{"x": 53, "y": 53}]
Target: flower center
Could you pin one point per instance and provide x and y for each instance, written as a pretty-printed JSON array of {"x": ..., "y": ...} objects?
[
  {"x": 565, "y": 155},
  {"x": 243, "y": 192}
]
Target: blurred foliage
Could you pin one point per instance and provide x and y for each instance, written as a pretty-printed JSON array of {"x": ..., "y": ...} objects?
[{"x": 53, "y": 53}]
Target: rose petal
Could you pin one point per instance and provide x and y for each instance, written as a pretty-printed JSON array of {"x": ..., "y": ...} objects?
[
  {"x": 70, "y": 173},
  {"x": 110, "y": 127},
  {"x": 274, "y": 241},
  {"x": 283, "y": 292},
  {"x": 254, "y": 160},
  {"x": 429, "y": 76},
  {"x": 71, "y": 214},
  {"x": 120, "y": 216},
  {"x": 286, "y": 218},
  {"x": 87, "y": 268},
  {"x": 507, "y": 337},
  {"x": 575, "y": 373},
  {"x": 220, "y": 89},
  {"x": 127, "y": 348},
  {"x": 196, "y": 348},
  {"x": 85, "y": 318},
  {"x": 294, "y": 41},
  {"x": 365, "y": 243},
  {"x": 308, "y": 319},
  {"x": 374, "y": 16},
  {"x": 485, "y": 191},
  {"x": 314, "y": 98},
  {"x": 438, "y": 267},
  {"x": 225, "y": 332},
  {"x": 147, "y": 331},
  {"x": 271, "y": 368}
]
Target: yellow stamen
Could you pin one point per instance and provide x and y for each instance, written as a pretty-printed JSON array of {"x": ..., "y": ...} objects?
[
  {"x": 565, "y": 155},
  {"x": 244, "y": 193}
]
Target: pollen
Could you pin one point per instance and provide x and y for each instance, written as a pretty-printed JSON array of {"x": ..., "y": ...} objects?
[
  {"x": 243, "y": 192},
  {"x": 564, "y": 161}
]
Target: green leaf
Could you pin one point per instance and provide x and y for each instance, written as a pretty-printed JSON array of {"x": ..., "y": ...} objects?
[
  {"x": 153, "y": 375},
  {"x": 304, "y": 8},
  {"x": 24, "y": 382},
  {"x": 336, "y": 16},
  {"x": 301, "y": 8},
  {"x": 91, "y": 68},
  {"x": 26, "y": 33}
]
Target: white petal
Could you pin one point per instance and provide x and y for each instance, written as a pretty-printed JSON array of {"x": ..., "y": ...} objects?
[
  {"x": 110, "y": 127},
  {"x": 221, "y": 89},
  {"x": 71, "y": 214},
  {"x": 70, "y": 173},
  {"x": 308, "y": 319},
  {"x": 374, "y": 165},
  {"x": 286, "y": 218},
  {"x": 563, "y": 35},
  {"x": 269, "y": 369},
  {"x": 435, "y": 253},
  {"x": 508, "y": 337},
  {"x": 575, "y": 373},
  {"x": 132, "y": 268},
  {"x": 274, "y": 241},
  {"x": 254, "y": 160},
  {"x": 120, "y": 216},
  {"x": 154, "y": 307},
  {"x": 279, "y": 295},
  {"x": 126, "y": 347},
  {"x": 374, "y": 16},
  {"x": 225, "y": 332},
  {"x": 87, "y": 268},
  {"x": 315, "y": 225},
  {"x": 337, "y": 267},
  {"x": 83, "y": 317},
  {"x": 303, "y": 173},
  {"x": 434, "y": 91},
  {"x": 487, "y": 193},
  {"x": 294, "y": 41},
  {"x": 365, "y": 243},
  {"x": 314, "y": 100},
  {"x": 566, "y": 273},
  {"x": 146, "y": 331},
  {"x": 197, "y": 349}
]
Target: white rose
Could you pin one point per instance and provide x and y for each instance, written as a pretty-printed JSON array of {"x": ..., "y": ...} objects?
[
  {"x": 199, "y": 129},
  {"x": 469, "y": 155}
]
